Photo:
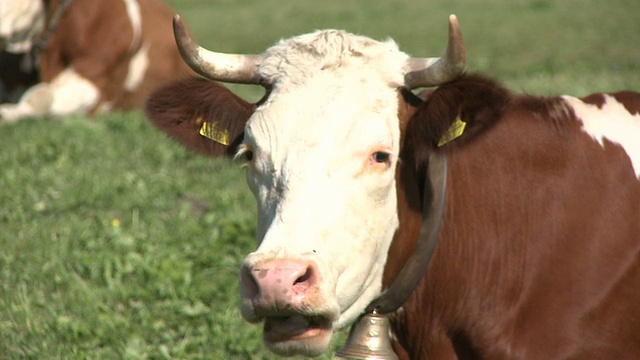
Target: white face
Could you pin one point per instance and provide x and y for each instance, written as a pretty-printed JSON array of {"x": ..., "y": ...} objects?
[
  {"x": 21, "y": 21},
  {"x": 321, "y": 155}
]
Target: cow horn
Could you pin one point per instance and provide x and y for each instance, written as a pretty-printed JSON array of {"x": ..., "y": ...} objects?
[
  {"x": 240, "y": 69},
  {"x": 425, "y": 72}
]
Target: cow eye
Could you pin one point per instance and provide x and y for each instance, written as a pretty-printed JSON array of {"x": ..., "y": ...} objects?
[
  {"x": 244, "y": 154},
  {"x": 380, "y": 157}
]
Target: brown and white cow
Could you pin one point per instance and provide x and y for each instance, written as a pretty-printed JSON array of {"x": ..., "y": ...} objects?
[
  {"x": 94, "y": 55},
  {"x": 538, "y": 255}
]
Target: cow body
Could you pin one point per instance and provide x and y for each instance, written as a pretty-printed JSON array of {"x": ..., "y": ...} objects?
[
  {"x": 538, "y": 250},
  {"x": 93, "y": 55}
]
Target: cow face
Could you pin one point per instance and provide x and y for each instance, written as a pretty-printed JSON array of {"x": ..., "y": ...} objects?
[
  {"x": 320, "y": 155},
  {"x": 22, "y": 21},
  {"x": 321, "y": 150}
]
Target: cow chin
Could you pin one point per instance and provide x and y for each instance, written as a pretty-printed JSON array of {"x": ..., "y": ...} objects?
[
  {"x": 290, "y": 331},
  {"x": 297, "y": 335}
]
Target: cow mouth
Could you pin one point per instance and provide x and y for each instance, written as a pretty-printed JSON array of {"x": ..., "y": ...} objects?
[{"x": 278, "y": 329}]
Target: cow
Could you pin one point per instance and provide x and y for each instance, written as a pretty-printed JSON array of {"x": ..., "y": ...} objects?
[
  {"x": 537, "y": 255},
  {"x": 92, "y": 56}
]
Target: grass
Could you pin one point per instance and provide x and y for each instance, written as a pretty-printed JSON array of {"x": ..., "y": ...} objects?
[
  {"x": 535, "y": 46},
  {"x": 118, "y": 244},
  {"x": 113, "y": 245}
]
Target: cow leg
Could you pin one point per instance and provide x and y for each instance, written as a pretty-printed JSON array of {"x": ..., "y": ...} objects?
[
  {"x": 36, "y": 101},
  {"x": 68, "y": 93},
  {"x": 73, "y": 94}
]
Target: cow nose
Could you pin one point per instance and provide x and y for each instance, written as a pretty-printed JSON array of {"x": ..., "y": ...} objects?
[{"x": 280, "y": 284}]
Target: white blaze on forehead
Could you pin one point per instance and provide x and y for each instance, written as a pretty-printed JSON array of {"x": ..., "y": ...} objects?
[
  {"x": 613, "y": 122},
  {"x": 21, "y": 21},
  {"x": 333, "y": 103}
]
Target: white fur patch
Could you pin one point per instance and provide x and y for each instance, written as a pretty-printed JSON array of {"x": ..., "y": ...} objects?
[
  {"x": 36, "y": 101},
  {"x": 135, "y": 17},
  {"x": 138, "y": 66},
  {"x": 21, "y": 21},
  {"x": 613, "y": 122},
  {"x": 72, "y": 93}
]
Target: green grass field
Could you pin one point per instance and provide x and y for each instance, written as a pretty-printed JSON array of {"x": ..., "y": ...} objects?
[{"x": 117, "y": 244}]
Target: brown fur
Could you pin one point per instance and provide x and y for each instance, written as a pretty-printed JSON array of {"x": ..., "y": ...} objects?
[
  {"x": 180, "y": 108},
  {"x": 539, "y": 252},
  {"x": 408, "y": 193},
  {"x": 476, "y": 100}
]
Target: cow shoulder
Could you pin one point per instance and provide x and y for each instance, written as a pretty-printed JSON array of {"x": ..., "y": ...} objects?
[
  {"x": 455, "y": 113},
  {"x": 202, "y": 115}
]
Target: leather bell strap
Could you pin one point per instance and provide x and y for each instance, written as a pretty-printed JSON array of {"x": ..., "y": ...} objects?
[{"x": 414, "y": 269}]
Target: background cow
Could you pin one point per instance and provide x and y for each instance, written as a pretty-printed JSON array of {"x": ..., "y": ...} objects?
[
  {"x": 538, "y": 256},
  {"x": 93, "y": 55}
]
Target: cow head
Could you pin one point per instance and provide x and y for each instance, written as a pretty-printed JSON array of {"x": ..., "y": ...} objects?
[
  {"x": 321, "y": 151},
  {"x": 21, "y": 22}
]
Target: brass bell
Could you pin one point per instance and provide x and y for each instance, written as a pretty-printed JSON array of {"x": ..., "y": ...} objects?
[{"x": 369, "y": 339}]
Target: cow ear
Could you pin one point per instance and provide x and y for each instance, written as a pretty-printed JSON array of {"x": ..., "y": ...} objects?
[
  {"x": 202, "y": 115},
  {"x": 454, "y": 114}
]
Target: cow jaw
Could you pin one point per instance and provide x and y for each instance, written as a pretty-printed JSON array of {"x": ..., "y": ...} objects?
[{"x": 297, "y": 334}]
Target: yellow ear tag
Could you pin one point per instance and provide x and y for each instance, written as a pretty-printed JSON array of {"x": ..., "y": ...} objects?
[
  {"x": 210, "y": 130},
  {"x": 454, "y": 132}
]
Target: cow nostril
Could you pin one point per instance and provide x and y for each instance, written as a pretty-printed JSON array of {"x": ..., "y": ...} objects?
[
  {"x": 248, "y": 283},
  {"x": 306, "y": 277}
]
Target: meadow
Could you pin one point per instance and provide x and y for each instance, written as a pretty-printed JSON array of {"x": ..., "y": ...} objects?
[{"x": 116, "y": 243}]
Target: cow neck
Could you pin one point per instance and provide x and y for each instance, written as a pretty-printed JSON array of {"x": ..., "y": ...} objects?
[
  {"x": 52, "y": 25},
  {"x": 414, "y": 269}
]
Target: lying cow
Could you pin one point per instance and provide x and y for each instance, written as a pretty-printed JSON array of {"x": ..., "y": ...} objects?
[
  {"x": 94, "y": 55},
  {"x": 538, "y": 253}
]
